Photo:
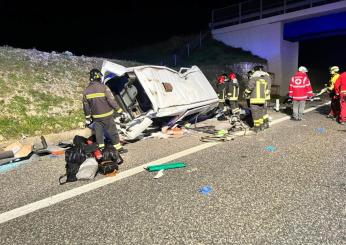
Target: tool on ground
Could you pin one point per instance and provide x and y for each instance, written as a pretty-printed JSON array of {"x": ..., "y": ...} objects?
[
  {"x": 166, "y": 166},
  {"x": 43, "y": 150}
]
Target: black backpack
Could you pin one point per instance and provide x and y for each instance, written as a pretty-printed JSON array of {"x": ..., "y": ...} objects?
[
  {"x": 74, "y": 157},
  {"x": 110, "y": 161}
]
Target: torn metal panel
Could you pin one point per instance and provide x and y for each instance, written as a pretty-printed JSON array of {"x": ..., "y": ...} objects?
[{"x": 159, "y": 91}]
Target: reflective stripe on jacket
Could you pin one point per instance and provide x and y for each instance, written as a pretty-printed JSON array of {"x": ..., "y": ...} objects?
[
  {"x": 267, "y": 77},
  {"x": 233, "y": 91},
  {"x": 257, "y": 88},
  {"x": 98, "y": 101},
  {"x": 340, "y": 84},
  {"x": 300, "y": 87},
  {"x": 332, "y": 82}
]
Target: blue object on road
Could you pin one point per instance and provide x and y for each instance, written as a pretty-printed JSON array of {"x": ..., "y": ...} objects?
[
  {"x": 321, "y": 130},
  {"x": 271, "y": 148},
  {"x": 15, "y": 164},
  {"x": 205, "y": 190}
]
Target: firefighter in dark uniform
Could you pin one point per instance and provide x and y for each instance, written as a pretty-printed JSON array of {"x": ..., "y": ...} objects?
[
  {"x": 100, "y": 108},
  {"x": 259, "y": 72},
  {"x": 221, "y": 90},
  {"x": 257, "y": 92},
  {"x": 233, "y": 93}
]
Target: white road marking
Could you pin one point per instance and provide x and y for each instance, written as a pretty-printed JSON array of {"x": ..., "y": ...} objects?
[
  {"x": 305, "y": 111},
  {"x": 32, "y": 207},
  {"x": 49, "y": 201}
]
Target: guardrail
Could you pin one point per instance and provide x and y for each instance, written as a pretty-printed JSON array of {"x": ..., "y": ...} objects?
[
  {"x": 259, "y": 9},
  {"x": 180, "y": 55}
]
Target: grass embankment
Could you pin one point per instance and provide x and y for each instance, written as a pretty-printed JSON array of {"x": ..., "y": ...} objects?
[{"x": 40, "y": 93}]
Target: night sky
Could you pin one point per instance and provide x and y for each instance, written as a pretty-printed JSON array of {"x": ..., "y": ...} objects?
[
  {"x": 107, "y": 26},
  {"x": 89, "y": 28}
]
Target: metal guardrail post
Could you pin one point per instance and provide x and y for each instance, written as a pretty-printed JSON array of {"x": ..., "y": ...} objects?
[
  {"x": 188, "y": 49},
  {"x": 175, "y": 59},
  {"x": 285, "y": 2},
  {"x": 212, "y": 19},
  {"x": 200, "y": 39},
  {"x": 261, "y": 7},
  {"x": 239, "y": 13}
]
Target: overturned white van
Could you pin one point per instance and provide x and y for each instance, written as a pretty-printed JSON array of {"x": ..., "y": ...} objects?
[{"x": 157, "y": 94}]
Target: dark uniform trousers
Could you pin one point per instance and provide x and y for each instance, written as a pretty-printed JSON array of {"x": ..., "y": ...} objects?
[{"x": 108, "y": 126}]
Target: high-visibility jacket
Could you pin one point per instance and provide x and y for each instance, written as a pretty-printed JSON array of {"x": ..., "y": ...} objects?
[
  {"x": 233, "y": 90},
  {"x": 332, "y": 82},
  {"x": 257, "y": 88},
  {"x": 340, "y": 84},
  {"x": 99, "y": 102},
  {"x": 222, "y": 87},
  {"x": 300, "y": 87}
]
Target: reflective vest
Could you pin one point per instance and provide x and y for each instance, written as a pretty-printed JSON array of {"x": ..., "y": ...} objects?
[
  {"x": 257, "y": 88},
  {"x": 233, "y": 91},
  {"x": 332, "y": 81},
  {"x": 99, "y": 102}
]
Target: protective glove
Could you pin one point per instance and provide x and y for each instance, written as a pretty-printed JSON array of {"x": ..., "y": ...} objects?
[
  {"x": 122, "y": 118},
  {"x": 118, "y": 113},
  {"x": 246, "y": 95},
  {"x": 88, "y": 122}
]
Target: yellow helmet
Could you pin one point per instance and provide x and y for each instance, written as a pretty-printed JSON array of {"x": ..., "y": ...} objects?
[{"x": 334, "y": 69}]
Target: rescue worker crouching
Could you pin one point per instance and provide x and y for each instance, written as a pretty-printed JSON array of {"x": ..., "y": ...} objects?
[
  {"x": 334, "y": 103},
  {"x": 99, "y": 106},
  {"x": 258, "y": 92}
]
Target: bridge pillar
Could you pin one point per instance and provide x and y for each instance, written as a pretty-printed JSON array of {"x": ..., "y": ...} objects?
[{"x": 267, "y": 42}]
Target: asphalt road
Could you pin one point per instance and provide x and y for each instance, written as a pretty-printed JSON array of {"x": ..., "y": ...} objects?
[{"x": 294, "y": 195}]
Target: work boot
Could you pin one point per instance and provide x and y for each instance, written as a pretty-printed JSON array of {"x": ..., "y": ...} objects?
[
  {"x": 122, "y": 150},
  {"x": 266, "y": 125},
  {"x": 256, "y": 129},
  {"x": 222, "y": 118}
]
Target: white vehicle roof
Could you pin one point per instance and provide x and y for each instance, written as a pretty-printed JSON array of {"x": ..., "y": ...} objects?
[{"x": 191, "y": 89}]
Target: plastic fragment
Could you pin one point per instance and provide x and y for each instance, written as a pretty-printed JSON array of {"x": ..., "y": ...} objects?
[
  {"x": 271, "y": 148},
  {"x": 159, "y": 174},
  {"x": 205, "y": 190}
]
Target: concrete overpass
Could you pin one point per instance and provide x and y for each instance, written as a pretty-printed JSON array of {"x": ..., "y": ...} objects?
[{"x": 273, "y": 31}]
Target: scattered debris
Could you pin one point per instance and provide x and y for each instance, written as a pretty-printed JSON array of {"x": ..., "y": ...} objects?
[
  {"x": 114, "y": 173},
  {"x": 192, "y": 170},
  {"x": 213, "y": 138},
  {"x": 205, "y": 190},
  {"x": 321, "y": 130},
  {"x": 166, "y": 166},
  {"x": 159, "y": 174},
  {"x": 271, "y": 148},
  {"x": 16, "y": 163},
  {"x": 148, "y": 99}
]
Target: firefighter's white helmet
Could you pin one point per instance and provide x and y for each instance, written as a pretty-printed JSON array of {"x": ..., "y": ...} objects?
[{"x": 302, "y": 69}]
